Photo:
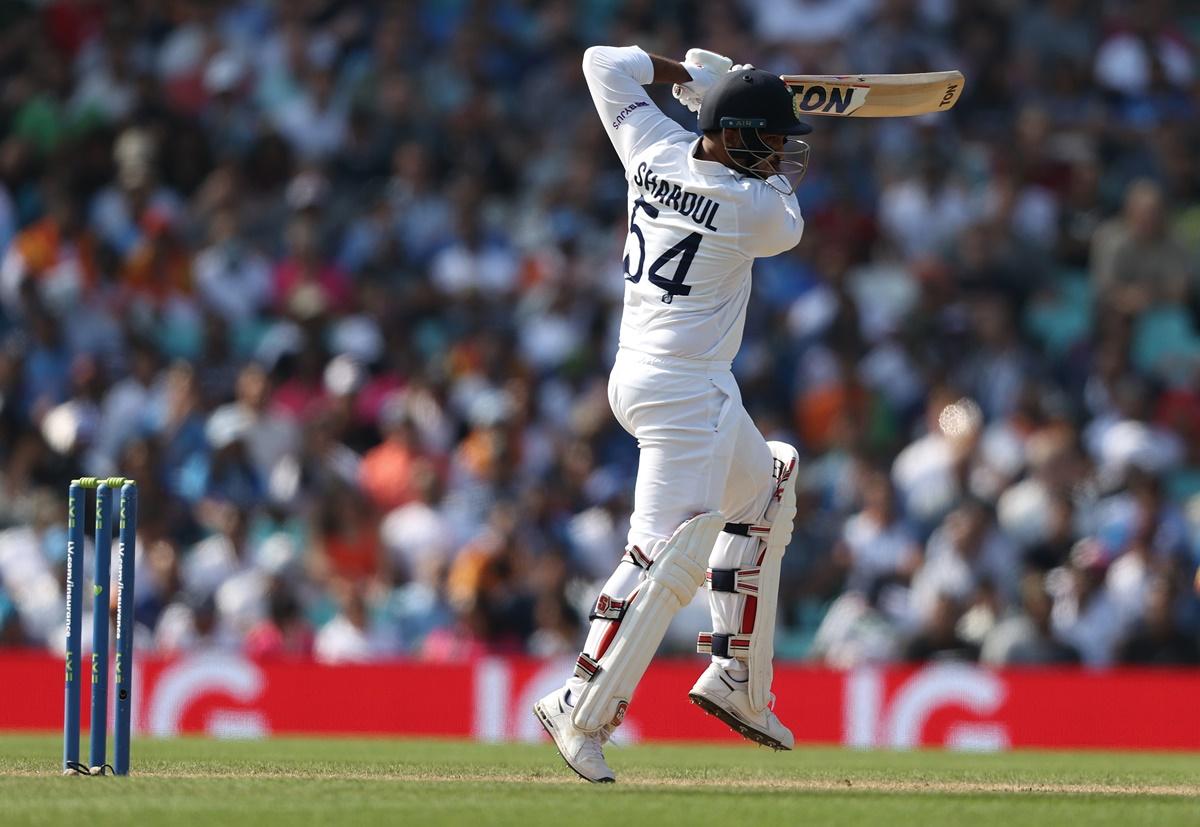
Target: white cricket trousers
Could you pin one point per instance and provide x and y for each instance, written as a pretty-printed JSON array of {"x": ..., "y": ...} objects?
[{"x": 699, "y": 451}]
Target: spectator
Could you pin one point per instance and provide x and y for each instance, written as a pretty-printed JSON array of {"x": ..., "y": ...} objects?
[
  {"x": 387, "y": 472},
  {"x": 228, "y": 117},
  {"x": 474, "y": 264},
  {"x": 1158, "y": 640},
  {"x": 929, "y": 472},
  {"x": 875, "y": 542},
  {"x": 269, "y": 433},
  {"x": 923, "y": 213},
  {"x": 115, "y": 214},
  {"x": 232, "y": 279},
  {"x": 1085, "y": 615},
  {"x": 1146, "y": 51},
  {"x": 1136, "y": 262},
  {"x": 416, "y": 534},
  {"x": 857, "y": 630},
  {"x": 1027, "y": 638},
  {"x": 994, "y": 376},
  {"x": 964, "y": 553},
  {"x": 284, "y": 633},
  {"x": 159, "y": 267},
  {"x": 347, "y": 543},
  {"x": 938, "y": 639},
  {"x": 227, "y": 474},
  {"x": 349, "y": 637},
  {"x": 56, "y": 256},
  {"x": 306, "y": 283},
  {"x": 189, "y": 625},
  {"x": 128, "y": 406},
  {"x": 314, "y": 121},
  {"x": 1057, "y": 28}
]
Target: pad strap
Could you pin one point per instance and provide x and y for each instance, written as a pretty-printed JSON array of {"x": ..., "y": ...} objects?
[
  {"x": 638, "y": 557},
  {"x": 608, "y": 608},
  {"x": 723, "y": 645},
  {"x": 739, "y": 581},
  {"x": 747, "y": 529},
  {"x": 586, "y": 667}
]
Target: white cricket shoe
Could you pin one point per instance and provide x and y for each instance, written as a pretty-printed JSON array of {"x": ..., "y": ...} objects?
[
  {"x": 581, "y": 751},
  {"x": 729, "y": 701}
]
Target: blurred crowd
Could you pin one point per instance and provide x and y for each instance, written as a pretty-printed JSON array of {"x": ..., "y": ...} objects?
[{"x": 338, "y": 283}]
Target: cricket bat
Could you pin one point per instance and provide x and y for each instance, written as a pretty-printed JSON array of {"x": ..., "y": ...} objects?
[{"x": 874, "y": 96}]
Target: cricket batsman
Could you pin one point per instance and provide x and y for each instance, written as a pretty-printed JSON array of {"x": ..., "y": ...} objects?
[{"x": 714, "y": 501}]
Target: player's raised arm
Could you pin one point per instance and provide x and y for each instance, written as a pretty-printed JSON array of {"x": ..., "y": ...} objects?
[{"x": 616, "y": 76}]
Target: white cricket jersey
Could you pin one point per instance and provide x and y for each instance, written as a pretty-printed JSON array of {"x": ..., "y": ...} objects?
[{"x": 695, "y": 227}]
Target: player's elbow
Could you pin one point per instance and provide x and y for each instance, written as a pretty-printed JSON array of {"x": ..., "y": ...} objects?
[
  {"x": 600, "y": 60},
  {"x": 790, "y": 233},
  {"x": 796, "y": 231},
  {"x": 594, "y": 59}
]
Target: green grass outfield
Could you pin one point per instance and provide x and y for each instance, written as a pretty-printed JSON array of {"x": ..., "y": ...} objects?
[{"x": 341, "y": 781}]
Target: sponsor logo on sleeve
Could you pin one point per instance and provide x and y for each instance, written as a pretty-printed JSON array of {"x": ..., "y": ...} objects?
[{"x": 626, "y": 112}]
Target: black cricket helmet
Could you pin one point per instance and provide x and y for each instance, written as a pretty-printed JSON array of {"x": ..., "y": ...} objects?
[{"x": 758, "y": 103}]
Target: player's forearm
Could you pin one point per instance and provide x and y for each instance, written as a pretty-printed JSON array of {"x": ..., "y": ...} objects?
[
  {"x": 669, "y": 71},
  {"x": 608, "y": 63}
]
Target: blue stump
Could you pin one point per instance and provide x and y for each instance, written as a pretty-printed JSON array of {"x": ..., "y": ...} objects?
[
  {"x": 99, "y": 728},
  {"x": 124, "y": 662},
  {"x": 76, "y": 505}
]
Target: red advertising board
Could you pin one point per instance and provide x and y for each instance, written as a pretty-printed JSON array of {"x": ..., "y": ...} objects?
[{"x": 952, "y": 705}]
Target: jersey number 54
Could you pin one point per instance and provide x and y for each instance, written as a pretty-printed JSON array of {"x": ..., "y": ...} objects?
[{"x": 685, "y": 248}]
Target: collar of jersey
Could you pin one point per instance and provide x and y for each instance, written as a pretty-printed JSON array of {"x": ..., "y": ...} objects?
[{"x": 706, "y": 167}]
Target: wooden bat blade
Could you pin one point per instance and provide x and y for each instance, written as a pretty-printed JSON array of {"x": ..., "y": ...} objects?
[{"x": 874, "y": 96}]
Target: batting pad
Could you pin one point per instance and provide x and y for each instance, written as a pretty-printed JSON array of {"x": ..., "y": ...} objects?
[
  {"x": 675, "y": 575},
  {"x": 744, "y": 581}
]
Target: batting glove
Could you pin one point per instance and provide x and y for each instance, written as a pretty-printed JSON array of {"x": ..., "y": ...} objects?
[{"x": 704, "y": 67}]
